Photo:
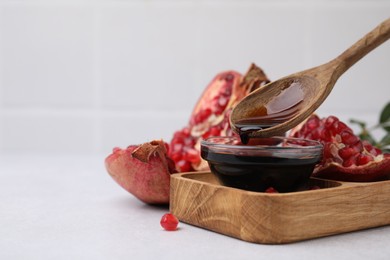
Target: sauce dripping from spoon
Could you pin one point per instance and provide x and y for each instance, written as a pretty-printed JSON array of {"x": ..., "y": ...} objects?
[{"x": 278, "y": 109}]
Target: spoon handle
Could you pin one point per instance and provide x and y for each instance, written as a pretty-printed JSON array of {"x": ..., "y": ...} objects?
[{"x": 370, "y": 41}]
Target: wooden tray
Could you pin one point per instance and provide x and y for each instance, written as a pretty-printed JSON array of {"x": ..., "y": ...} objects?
[{"x": 338, "y": 207}]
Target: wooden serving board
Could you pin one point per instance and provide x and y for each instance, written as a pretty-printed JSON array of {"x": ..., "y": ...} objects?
[{"x": 338, "y": 207}]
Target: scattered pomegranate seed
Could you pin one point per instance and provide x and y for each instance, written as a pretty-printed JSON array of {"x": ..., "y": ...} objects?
[
  {"x": 169, "y": 222},
  {"x": 271, "y": 190}
]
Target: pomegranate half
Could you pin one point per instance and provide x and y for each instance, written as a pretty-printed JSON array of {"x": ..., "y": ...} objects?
[
  {"x": 144, "y": 170},
  {"x": 345, "y": 156}
]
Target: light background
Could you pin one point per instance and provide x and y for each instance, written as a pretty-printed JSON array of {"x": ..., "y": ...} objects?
[{"x": 85, "y": 76}]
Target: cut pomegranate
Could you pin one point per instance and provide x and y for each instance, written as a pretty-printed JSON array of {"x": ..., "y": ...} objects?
[
  {"x": 345, "y": 156},
  {"x": 143, "y": 170},
  {"x": 210, "y": 116}
]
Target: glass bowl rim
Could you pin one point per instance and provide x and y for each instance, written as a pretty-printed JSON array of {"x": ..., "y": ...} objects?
[{"x": 313, "y": 144}]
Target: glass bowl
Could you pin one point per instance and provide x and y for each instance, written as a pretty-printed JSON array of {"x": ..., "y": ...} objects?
[{"x": 285, "y": 164}]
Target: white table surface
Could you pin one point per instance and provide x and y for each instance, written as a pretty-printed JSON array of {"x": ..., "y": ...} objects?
[{"x": 67, "y": 207}]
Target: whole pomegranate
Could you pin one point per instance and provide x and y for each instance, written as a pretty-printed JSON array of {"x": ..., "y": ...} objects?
[
  {"x": 144, "y": 170},
  {"x": 345, "y": 156}
]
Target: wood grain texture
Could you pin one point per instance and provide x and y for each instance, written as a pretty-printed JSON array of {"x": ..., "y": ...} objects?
[{"x": 198, "y": 199}]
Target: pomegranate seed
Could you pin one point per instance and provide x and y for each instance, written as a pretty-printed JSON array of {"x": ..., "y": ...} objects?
[
  {"x": 377, "y": 151},
  {"x": 358, "y": 146},
  {"x": 271, "y": 190},
  {"x": 176, "y": 156},
  {"x": 315, "y": 135},
  {"x": 367, "y": 145},
  {"x": 325, "y": 135},
  {"x": 189, "y": 142},
  {"x": 329, "y": 121},
  {"x": 222, "y": 101},
  {"x": 341, "y": 127},
  {"x": 192, "y": 155},
  {"x": 351, "y": 161},
  {"x": 184, "y": 166},
  {"x": 215, "y": 131},
  {"x": 186, "y": 131},
  {"x": 363, "y": 159},
  {"x": 177, "y": 147},
  {"x": 202, "y": 115},
  {"x": 206, "y": 135},
  {"x": 333, "y": 129},
  {"x": 348, "y": 137},
  {"x": 169, "y": 222},
  {"x": 347, "y": 152},
  {"x": 312, "y": 123},
  {"x": 371, "y": 149},
  {"x": 178, "y": 137}
]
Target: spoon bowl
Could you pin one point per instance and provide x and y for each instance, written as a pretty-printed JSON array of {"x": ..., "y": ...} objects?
[{"x": 280, "y": 105}]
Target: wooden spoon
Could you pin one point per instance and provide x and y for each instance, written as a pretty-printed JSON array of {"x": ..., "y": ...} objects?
[{"x": 261, "y": 114}]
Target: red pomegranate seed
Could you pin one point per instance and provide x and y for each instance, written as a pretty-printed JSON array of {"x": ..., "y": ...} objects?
[
  {"x": 176, "y": 156},
  {"x": 329, "y": 121},
  {"x": 351, "y": 161},
  {"x": 177, "y": 147},
  {"x": 358, "y": 146},
  {"x": 215, "y": 131},
  {"x": 189, "y": 142},
  {"x": 169, "y": 222},
  {"x": 184, "y": 166},
  {"x": 363, "y": 159},
  {"x": 367, "y": 145},
  {"x": 325, "y": 135},
  {"x": 271, "y": 190},
  {"x": 202, "y": 115},
  {"x": 312, "y": 123},
  {"x": 192, "y": 155},
  {"x": 347, "y": 152},
  {"x": 377, "y": 151},
  {"x": 341, "y": 127},
  {"x": 348, "y": 138}
]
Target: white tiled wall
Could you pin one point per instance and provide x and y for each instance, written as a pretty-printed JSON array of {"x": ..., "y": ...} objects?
[{"x": 85, "y": 76}]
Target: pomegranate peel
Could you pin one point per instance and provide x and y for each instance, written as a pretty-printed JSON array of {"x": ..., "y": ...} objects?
[{"x": 143, "y": 171}]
